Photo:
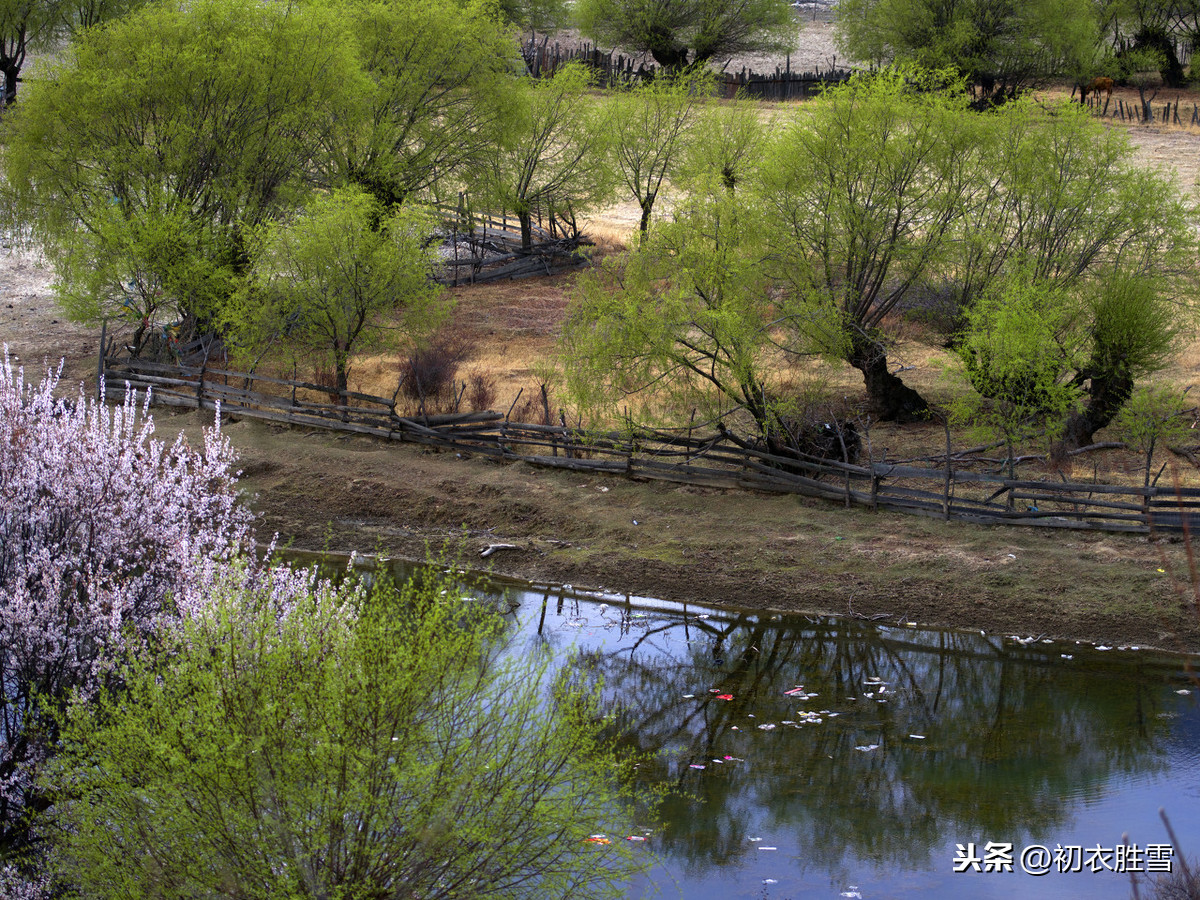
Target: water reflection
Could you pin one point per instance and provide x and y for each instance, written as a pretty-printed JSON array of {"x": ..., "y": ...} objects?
[
  {"x": 863, "y": 753},
  {"x": 859, "y": 743}
]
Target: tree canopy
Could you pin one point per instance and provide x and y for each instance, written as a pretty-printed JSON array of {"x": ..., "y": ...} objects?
[
  {"x": 679, "y": 33},
  {"x": 554, "y": 152},
  {"x": 1003, "y": 47},
  {"x": 322, "y": 282},
  {"x": 342, "y": 745},
  {"x": 143, "y": 156},
  {"x": 864, "y": 188},
  {"x": 439, "y": 93}
]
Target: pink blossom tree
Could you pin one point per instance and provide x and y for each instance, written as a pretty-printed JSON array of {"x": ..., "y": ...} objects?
[{"x": 105, "y": 535}]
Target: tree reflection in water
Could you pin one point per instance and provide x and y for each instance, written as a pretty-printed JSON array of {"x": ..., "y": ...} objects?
[{"x": 973, "y": 734}]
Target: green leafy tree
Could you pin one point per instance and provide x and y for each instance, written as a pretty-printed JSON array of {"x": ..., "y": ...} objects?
[
  {"x": 1131, "y": 331},
  {"x": 555, "y": 151},
  {"x": 30, "y": 25},
  {"x": 1151, "y": 29},
  {"x": 726, "y": 146},
  {"x": 680, "y": 324},
  {"x": 864, "y": 189},
  {"x": 1017, "y": 357},
  {"x": 341, "y": 277},
  {"x": 440, "y": 79},
  {"x": 651, "y": 126},
  {"x": 24, "y": 25},
  {"x": 1003, "y": 47},
  {"x": 1059, "y": 204},
  {"x": 545, "y": 16},
  {"x": 341, "y": 746},
  {"x": 1153, "y": 417},
  {"x": 679, "y": 33},
  {"x": 145, "y": 153},
  {"x": 1068, "y": 359}
]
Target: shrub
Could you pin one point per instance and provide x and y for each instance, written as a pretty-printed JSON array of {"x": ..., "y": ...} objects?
[
  {"x": 429, "y": 373},
  {"x": 345, "y": 746},
  {"x": 480, "y": 391},
  {"x": 104, "y": 534}
]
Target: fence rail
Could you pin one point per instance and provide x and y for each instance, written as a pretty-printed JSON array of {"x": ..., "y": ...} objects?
[
  {"x": 485, "y": 246},
  {"x": 946, "y": 491}
]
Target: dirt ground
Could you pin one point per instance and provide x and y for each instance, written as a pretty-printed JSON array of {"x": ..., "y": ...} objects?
[
  {"x": 320, "y": 491},
  {"x": 744, "y": 549}
]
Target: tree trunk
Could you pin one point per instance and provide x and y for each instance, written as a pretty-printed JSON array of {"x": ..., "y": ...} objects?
[
  {"x": 644, "y": 223},
  {"x": 342, "y": 365},
  {"x": 1106, "y": 395},
  {"x": 891, "y": 399},
  {"x": 10, "y": 68},
  {"x": 525, "y": 217}
]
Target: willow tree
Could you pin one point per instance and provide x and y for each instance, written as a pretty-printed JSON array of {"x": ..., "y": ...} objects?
[
  {"x": 440, "y": 81},
  {"x": 1060, "y": 204},
  {"x": 343, "y": 746},
  {"x": 863, "y": 189},
  {"x": 1002, "y": 47},
  {"x": 681, "y": 33},
  {"x": 724, "y": 148},
  {"x": 684, "y": 323},
  {"x": 554, "y": 154},
  {"x": 344, "y": 275},
  {"x": 149, "y": 148},
  {"x": 651, "y": 126}
]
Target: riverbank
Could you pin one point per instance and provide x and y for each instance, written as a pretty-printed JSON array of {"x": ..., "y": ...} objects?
[{"x": 320, "y": 491}]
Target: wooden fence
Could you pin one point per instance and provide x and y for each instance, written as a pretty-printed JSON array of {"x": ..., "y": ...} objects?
[
  {"x": 947, "y": 491},
  {"x": 616, "y": 69},
  {"x": 485, "y": 246}
]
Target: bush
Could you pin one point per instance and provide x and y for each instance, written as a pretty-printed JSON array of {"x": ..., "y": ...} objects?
[
  {"x": 104, "y": 534},
  {"x": 429, "y": 373},
  {"x": 346, "y": 746}
]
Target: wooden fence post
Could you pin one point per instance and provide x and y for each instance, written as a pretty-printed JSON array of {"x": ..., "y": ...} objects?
[{"x": 949, "y": 475}]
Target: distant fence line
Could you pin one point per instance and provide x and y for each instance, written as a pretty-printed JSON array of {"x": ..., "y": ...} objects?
[
  {"x": 719, "y": 460},
  {"x": 1148, "y": 113},
  {"x": 614, "y": 68}
]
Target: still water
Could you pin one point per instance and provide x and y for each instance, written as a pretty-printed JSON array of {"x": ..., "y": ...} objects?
[{"x": 820, "y": 757}]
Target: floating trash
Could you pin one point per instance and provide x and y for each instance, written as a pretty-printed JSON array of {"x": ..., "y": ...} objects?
[
  {"x": 766, "y": 727},
  {"x": 768, "y": 848},
  {"x": 794, "y": 691},
  {"x": 724, "y": 696},
  {"x": 597, "y": 839},
  {"x": 696, "y": 766},
  {"x": 1183, "y": 692},
  {"x": 770, "y": 881},
  {"x": 867, "y": 748},
  {"x": 917, "y": 737},
  {"x": 1066, "y": 656},
  {"x": 688, "y": 696},
  {"x": 754, "y": 840},
  {"x": 635, "y": 837}
]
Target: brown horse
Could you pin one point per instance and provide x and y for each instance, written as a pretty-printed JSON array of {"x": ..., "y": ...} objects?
[{"x": 1095, "y": 86}]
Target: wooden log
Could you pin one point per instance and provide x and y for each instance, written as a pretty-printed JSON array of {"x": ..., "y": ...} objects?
[{"x": 1058, "y": 498}]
